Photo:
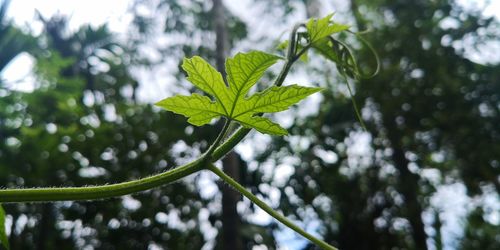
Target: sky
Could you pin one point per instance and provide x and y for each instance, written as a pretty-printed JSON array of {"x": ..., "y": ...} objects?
[
  {"x": 96, "y": 12},
  {"x": 23, "y": 12}
]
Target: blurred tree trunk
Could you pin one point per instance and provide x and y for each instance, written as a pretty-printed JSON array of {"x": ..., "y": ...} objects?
[
  {"x": 313, "y": 8},
  {"x": 13, "y": 237},
  {"x": 409, "y": 188},
  {"x": 438, "y": 240},
  {"x": 408, "y": 182},
  {"x": 45, "y": 227},
  {"x": 231, "y": 224}
]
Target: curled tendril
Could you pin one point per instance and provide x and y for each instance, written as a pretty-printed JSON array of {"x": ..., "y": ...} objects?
[
  {"x": 338, "y": 52},
  {"x": 347, "y": 63}
]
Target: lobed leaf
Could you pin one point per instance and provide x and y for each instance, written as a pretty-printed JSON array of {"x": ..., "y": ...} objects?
[{"x": 243, "y": 72}]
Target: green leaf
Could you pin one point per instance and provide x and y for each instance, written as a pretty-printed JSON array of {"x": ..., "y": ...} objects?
[
  {"x": 200, "y": 109},
  {"x": 243, "y": 72},
  {"x": 325, "y": 48},
  {"x": 321, "y": 28},
  {"x": 4, "y": 242}
]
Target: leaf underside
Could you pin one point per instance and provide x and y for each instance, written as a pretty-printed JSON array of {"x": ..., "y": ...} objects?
[{"x": 232, "y": 102}]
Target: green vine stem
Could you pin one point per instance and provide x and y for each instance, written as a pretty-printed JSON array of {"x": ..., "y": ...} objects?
[
  {"x": 230, "y": 181},
  {"x": 98, "y": 192},
  {"x": 229, "y": 144},
  {"x": 291, "y": 55},
  {"x": 114, "y": 190}
]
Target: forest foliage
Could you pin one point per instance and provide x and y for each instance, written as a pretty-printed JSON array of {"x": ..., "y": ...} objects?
[{"x": 431, "y": 120}]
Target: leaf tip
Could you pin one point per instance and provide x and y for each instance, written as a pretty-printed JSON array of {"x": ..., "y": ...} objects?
[
  {"x": 158, "y": 103},
  {"x": 284, "y": 133},
  {"x": 318, "y": 89},
  {"x": 278, "y": 132}
]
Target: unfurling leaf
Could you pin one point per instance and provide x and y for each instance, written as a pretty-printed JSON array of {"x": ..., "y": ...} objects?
[
  {"x": 323, "y": 27},
  {"x": 243, "y": 72}
]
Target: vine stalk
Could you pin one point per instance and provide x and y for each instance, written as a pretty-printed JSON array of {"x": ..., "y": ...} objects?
[{"x": 230, "y": 181}]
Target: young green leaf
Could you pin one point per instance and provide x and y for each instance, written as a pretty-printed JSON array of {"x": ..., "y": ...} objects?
[
  {"x": 4, "y": 242},
  {"x": 323, "y": 27},
  {"x": 325, "y": 48},
  {"x": 243, "y": 72}
]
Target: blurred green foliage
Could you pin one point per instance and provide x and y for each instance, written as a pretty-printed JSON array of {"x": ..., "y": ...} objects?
[
  {"x": 431, "y": 114},
  {"x": 430, "y": 110}
]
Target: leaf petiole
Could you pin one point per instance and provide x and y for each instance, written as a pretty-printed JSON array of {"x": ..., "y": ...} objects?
[{"x": 219, "y": 138}]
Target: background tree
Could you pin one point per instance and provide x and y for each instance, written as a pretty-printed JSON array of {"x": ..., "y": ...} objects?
[
  {"x": 424, "y": 110},
  {"x": 13, "y": 40},
  {"x": 210, "y": 30},
  {"x": 431, "y": 118},
  {"x": 84, "y": 111},
  {"x": 85, "y": 106}
]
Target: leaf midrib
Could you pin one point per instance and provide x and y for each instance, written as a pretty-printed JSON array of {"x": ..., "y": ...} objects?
[{"x": 242, "y": 86}]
